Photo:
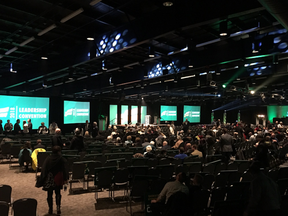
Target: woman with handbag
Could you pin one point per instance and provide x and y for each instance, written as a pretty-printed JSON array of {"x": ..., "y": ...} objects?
[{"x": 54, "y": 175}]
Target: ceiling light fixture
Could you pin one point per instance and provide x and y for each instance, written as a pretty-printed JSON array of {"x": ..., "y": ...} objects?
[
  {"x": 27, "y": 41},
  {"x": 94, "y": 2},
  {"x": 11, "y": 50},
  {"x": 46, "y": 30},
  {"x": 11, "y": 69},
  {"x": 104, "y": 67},
  {"x": 44, "y": 58},
  {"x": 190, "y": 63},
  {"x": 73, "y": 14},
  {"x": 90, "y": 38},
  {"x": 223, "y": 29},
  {"x": 151, "y": 52},
  {"x": 252, "y": 92},
  {"x": 167, "y": 3}
]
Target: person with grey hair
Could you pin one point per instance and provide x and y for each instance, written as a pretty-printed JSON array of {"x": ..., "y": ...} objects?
[
  {"x": 95, "y": 129},
  {"x": 52, "y": 128},
  {"x": 43, "y": 129},
  {"x": 57, "y": 140},
  {"x": 77, "y": 142},
  {"x": 29, "y": 126},
  {"x": 149, "y": 153}
]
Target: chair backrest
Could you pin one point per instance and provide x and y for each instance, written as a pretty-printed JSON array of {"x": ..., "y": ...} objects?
[
  {"x": 41, "y": 157},
  {"x": 283, "y": 186},
  {"x": 104, "y": 178},
  {"x": 209, "y": 168},
  {"x": 26, "y": 156},
  {"x": 152, "y": 162},
  {"x": 242, "y": 167},
  {"x": 139, "y": 161},
  {"x": 15, "y": 149},
  {"x": 164, "y": 161},
  {"x": 284, "y": 205},
  {"x": 121, "y": 176},
  {"x": 283, "y": 173},
  {"x": 78, "y": 170},
  {"x": 232, "y": 166},
  {"x": 246, "y": 177},
  {"x": 207, "y": 181},
  {"x": 6, "y": 149},
  {"x": 228, "y": 208},
  {"x": 139, "y": 188},
  {"x": 24, "y": 207},
  {"x": 218, "y": 194},
  {"x": 5, "y": 193},
  {"x": 93, "y": 165},
  {"x": 238, "y": 191},
  {"x": 166, "y": 171},
  {"x": 4, "y": 208}
]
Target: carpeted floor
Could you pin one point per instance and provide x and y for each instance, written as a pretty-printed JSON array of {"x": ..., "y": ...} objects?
[{"x": 23, "y": 186}]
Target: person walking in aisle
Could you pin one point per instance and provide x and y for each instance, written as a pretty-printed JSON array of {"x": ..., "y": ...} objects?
[{"x": 53, "y": 176}]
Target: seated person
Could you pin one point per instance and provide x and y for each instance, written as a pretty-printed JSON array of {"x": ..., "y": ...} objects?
[
  {"x": 196, "y": 152},
  {"x": 181, "y": 154},
  {"x": 87, "y": 135},
  {"x": 42, "y": 129},
  {"x": 39, "y": 144},
  {"x": 146, "y": 142},
  {"x": 109, "y": 141},
  {"x": 149, "y": 153},
  {"x": 159, "y": 205},
  {"x": 25, "y": 155},
  {"x": 165, "y": 145},
  {"x": 138, "y": 142},
  {"x": 188, "y": 149},
  {"x": 128, "y": 142}
]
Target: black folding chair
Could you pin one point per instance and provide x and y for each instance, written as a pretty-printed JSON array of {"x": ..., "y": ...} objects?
[
  {"x": 283, "y": 186},
  {"x": 120, "y": 181},
  {"x": 246, "y": 177},
  {"x": 77, "y": 174},
  {"x": 14, "y": 153},
  {"x": 217, "y": 194},
  {"x": 6, "y": 150},
  {"x": 228, "y": 208},
  {"x": 165, "y": 161},
  {"x": 165, "y": 171},
  {"x": 25, "y": 207},
  {"x": 5, "y": 193},
  {"x": 238, "y": 191},
  {"x": 208, "y": 181},
  {"x": 4, "y": 208}
]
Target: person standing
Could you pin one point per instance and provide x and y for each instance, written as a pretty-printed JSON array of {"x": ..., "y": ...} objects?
[
  {"x": 95, "y": 130},
  {"x": 77, "y": 142},
  {"x": 25, "y": 128},
  {"x": 52, "y": 127},
  {"x": 56, "y": 139},
  {"x": 186, "y": 125},
  {"x": 29, "y": 126},
  {"x": 43, "y": 129},
  {"x": 87, "y": 126},
  {"x": 1, "y": 127},
  {"x": 53, "y": 176},
  {"x": 226, "y": 142},
  {"x": 8, "y": 127},
  {"x": 17, "y": 128}
]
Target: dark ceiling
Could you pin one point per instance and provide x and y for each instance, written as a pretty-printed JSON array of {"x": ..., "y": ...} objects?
[{"x": 187, "y": 31}]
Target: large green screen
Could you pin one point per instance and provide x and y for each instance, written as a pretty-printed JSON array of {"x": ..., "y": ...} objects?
[
  {"x": 113, "y": 114},
  {"x": 124, "y": 114},
  {"x": 143, "y": 114},
  {"x": 168, "y": 113},
  {"x": 24, "y": 108},
  {"x": 76, "y": 112},
  {"x": 134, "y": 114},
  {"x": 277, "y": 112},
  {"x": 192, "y": 113}
]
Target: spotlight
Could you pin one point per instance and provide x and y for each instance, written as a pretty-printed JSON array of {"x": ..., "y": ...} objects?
[
  {"x": 44, "y": 84},
  {"x": 142, "y": 98},
  {"x": 262, "y": 97},
  {"x": 104, "y": 67},
  {"x": 256, "y": 46},
  {"x": 190, "y": 63},
  {"x": 110, "y": 81},
  {"x": 11, "y": 69},
  {"x": 219, "y": 95},
  {"x": 224, "y": 86},
  {"x": 44, "y": 58},
  {"x": 167, "y": 3},
  {"x": 90, "y": 39},
  {"x": 223, "y": 29},
  {"x": 252, "y": 92},
  {"x": 151, "y": 52},
  {"x": 213, "y": 83}
]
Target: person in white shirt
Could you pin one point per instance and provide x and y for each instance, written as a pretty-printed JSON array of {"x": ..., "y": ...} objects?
[
  {"x": 280, "y": 125},
  {"x": 43, "y": 129},
  {"x": 25, "y": 128}
]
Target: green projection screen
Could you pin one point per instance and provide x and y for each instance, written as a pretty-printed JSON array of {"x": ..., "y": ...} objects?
[
  {"x": 76, "y": 112},
  {"x": 277, "y": 112},
  {"x": 192, "y": 113},
  {"x": 168, "y": 113},
  {"x": 23, "y": 108},
  {"x": 143, "y": 114},
  {"x": 124, "y": 114},
  {"x": 134, "y": 114},
  {"x": 113, "y": 114}
]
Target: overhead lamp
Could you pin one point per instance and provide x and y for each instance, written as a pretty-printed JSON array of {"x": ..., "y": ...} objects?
[
  {"x": 44, "y": 84},
  {"x": 90, "y": 39},
  {"x": 44, "y": 58},
  {"x": 92, "y": 3},
  {"x": 256, "y": 46},
  {"x": 11, "y": 69},
  {"x": 46, "y": 30},
  {"x": 190, "y": 63},
  {"x": 219, "y": 95},
  {"x": 73, "y": 14},
  {"x": 224, "y": 86},
  {"x": 111, "y": 80},
  {"x": 151, "y": 52},
  {"x": 223, "y": 29},
  {"x": 167, "y": 3},
  {"x": 27, "y": 41},
  {"x": 104, "y": 67},
  {"x": 213, "y": 83},
  {"x": 252, "y": 92},
  {"x": 11, "y": 50}
]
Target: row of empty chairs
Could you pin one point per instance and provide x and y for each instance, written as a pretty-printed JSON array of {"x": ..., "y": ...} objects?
[{"x": 20, "y": 207}]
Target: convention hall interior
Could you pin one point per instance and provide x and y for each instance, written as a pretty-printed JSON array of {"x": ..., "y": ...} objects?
[{"x": 143, "y": 107}]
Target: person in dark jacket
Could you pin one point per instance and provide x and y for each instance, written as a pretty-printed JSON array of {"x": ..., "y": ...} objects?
[
  {"x": 56, "y": 139},
  {"x": 53, "y": 176},
  {"x": 95, "y": 129},
  {"x": 77, "y": 141},
  {"x": 226, "y": 142},
  {"x": 1, "y": 127}
]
